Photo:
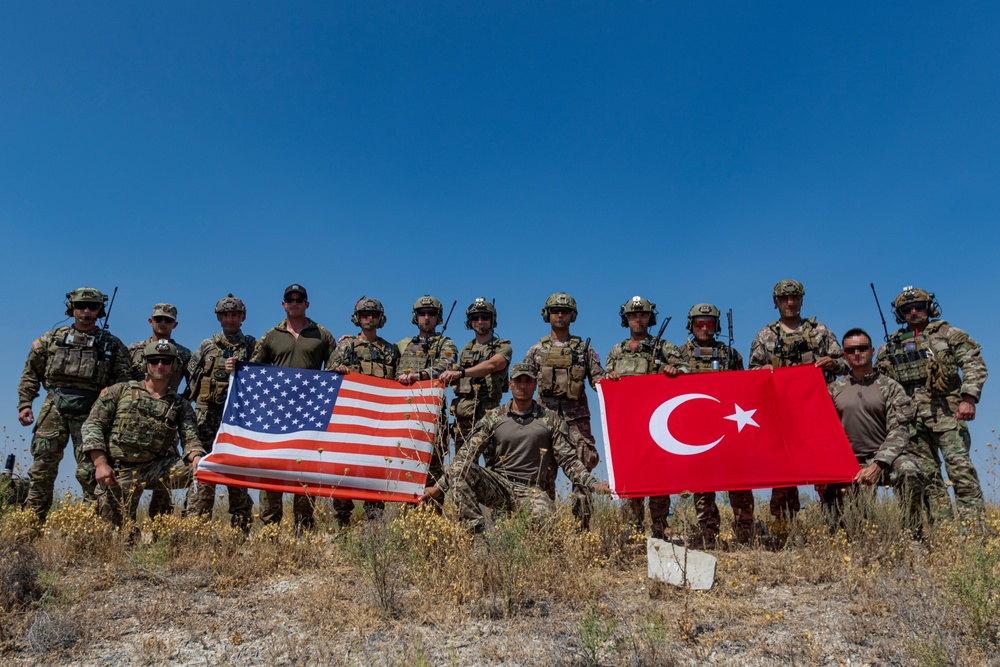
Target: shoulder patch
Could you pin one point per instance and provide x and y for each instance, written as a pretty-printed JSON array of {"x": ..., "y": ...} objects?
[
  {"x": 104, "y": 392},
  {"x": 36, "y": 344}
]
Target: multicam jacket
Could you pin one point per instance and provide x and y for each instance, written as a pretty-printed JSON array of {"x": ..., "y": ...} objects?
[
  {"x": 810, "y": 341},
  {"x": 134, "y": 428},
  {"x": 936, "y": 367},
  {"x": 65, "y": 358},
  {"x": 376, "y": 359},
  {"x": 434, "y": 355},
  {"x": 562, "y": 369}
]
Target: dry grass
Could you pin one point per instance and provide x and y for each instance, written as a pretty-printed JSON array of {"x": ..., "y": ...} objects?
[{"x": 416, "y": 588}]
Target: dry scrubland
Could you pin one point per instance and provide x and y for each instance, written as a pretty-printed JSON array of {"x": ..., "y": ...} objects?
[{"x": 415, "y": 589}]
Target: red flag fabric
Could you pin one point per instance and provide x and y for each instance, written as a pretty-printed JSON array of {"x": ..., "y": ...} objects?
[
  {"x": 321, "y": 433},
  {"x": 725, "y": 431}
]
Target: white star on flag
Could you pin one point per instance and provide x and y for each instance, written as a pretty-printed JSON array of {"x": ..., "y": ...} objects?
[{"x": 742, "y": 418}]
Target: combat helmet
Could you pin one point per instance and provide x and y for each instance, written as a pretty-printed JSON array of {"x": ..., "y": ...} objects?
[
  {"x": 371, "y": 305},
  {"x": 480, "y": 305},
  {"x": 427, "y": 301},
  {"x": 789, "y": 288},
  {"x": 86, "y": 295},
  {"x": 912, "y": 294},
  {"x": 230, "y": 304},
  {"x": 159, "y": 348},
  {"x": 637, "y": 304},
  {"x": 560, "y": 300},
  {"x": 703, "y": 310}
]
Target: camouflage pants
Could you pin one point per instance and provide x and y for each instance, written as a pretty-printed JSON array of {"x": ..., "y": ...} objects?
[
  {"x": 586, "y": 451},
  {"x": 201, "y": 497},
  {"x": 482, "y": 485},
  {"x": 116, "y": 502},
  {"x": 708, "y": 514},
  {"x": 50, "y": 436},
  {"x": 271, "y": 509},
  {"x": 907, "y": 481},
  {"x": 743, "y": 515},
  {"x": 928, "y": 448},
  {"x": 344, "y": 507},
  {"x": 785, "y": 503},
  {"x": 634, "y": 510}
]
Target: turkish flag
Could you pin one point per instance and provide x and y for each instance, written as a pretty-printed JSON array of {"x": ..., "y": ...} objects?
[{"x": 725, "y": 431}]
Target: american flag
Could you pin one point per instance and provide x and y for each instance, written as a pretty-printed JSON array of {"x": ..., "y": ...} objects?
[{"x": 321, "y": 433}]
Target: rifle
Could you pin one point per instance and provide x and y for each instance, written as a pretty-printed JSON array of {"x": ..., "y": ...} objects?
[
  {"x": 111, "y": 304},
  {"x": 656, "y": 343},
  {"x": 731, "y": 357},
  {"x": 437, "y": 353}
]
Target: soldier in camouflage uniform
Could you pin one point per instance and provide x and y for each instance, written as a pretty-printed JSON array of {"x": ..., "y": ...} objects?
[
  {"x": 792, "y": 341},
  {"x": 942, "y": 370},
  {"x": 481, "y": 379},
  {"x": 163, "y": 321},
  {"x": 209, "y": 369},
  {"x": 368, "y": 354},
  {"x": 526, "y": 438},
  {"x": 425, "y": 357},
  {"x": 131, "y": 435},
  {"x": 877, "y": 416},
  {"x": 74, "y": 363},
  {"x": 642, "y": 354},
  {"x": 563, "y": 364},
  {"x": 295, "y": 342},
  {"x": 704, "y": 353}
]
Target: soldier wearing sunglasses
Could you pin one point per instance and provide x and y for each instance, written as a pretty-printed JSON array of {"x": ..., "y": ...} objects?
[
  {"x": 131, "y": 436},
  {"x": 73, "y": 363},
  {"x": 163, "y": 321},
  {"x": 942, "y": 370},
  {"x": 877, "y": 416}
]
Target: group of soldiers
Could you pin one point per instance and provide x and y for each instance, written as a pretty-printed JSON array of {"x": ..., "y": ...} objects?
[{"x": 903, "y": 412}]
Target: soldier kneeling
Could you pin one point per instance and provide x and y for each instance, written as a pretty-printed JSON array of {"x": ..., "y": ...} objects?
[{"x": 131, "y": 435}]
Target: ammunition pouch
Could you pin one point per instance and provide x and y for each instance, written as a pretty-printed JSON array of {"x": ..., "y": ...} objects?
[
  {"x": 561, "y": 374},
  {"x": 76, "y": 357},
  {"x": 72, "y": 401}
]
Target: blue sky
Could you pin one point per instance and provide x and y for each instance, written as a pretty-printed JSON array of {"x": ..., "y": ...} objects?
[{"x": 686, "y": 152}]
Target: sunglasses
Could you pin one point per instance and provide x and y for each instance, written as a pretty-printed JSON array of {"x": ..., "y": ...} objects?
[
  {"x": 914, "y": 307},
  {"x": 560, "y": 310},
  {"x": 87, "y": 306},
  {"x": 427, "y": 312},
  {"x": 160, "y": 361},
  {"x": 480, "y": 318},
  {"x": 856, "y": 349},
  {"x": 295, "y": 300},
  {"x": 160, "y": 319}
]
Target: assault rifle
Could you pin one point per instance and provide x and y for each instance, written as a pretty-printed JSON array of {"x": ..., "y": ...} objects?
[
  {"x": 731, "y": 357},
  {"x": 111, "y": 304},
  {"x": 656, "y": 343},
  {"x": 437, "y": 353}
]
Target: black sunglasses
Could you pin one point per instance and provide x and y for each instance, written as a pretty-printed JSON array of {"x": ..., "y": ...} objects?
[{"x": 160, "y": 361}]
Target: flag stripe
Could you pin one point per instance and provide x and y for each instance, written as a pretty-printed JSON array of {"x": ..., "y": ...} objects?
[
  {"x": 351, "y": 487},
  {"x": 339, "y": 453},
  {"x": 326, "y": 441}
]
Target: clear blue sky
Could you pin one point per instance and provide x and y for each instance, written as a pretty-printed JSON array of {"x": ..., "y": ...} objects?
[{"x": 686, "y": 152}]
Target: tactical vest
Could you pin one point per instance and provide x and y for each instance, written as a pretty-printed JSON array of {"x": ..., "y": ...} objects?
[
  {"x": 563, "y": 370},
  {"x": 489, "y": 388},
  {"x": 707, "y": 358},
  {"x": 926, "y": 360},
  {"x": 371, "y": 359},
  {"x": 798, "y": 347},
  {"x": 211, "y": 380},
  {"x": 640, "y": 361},
  {"x": 416, "y": 355},
  {"x": 146, "y": 428},
  {"x": 75, "y": 356}
]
